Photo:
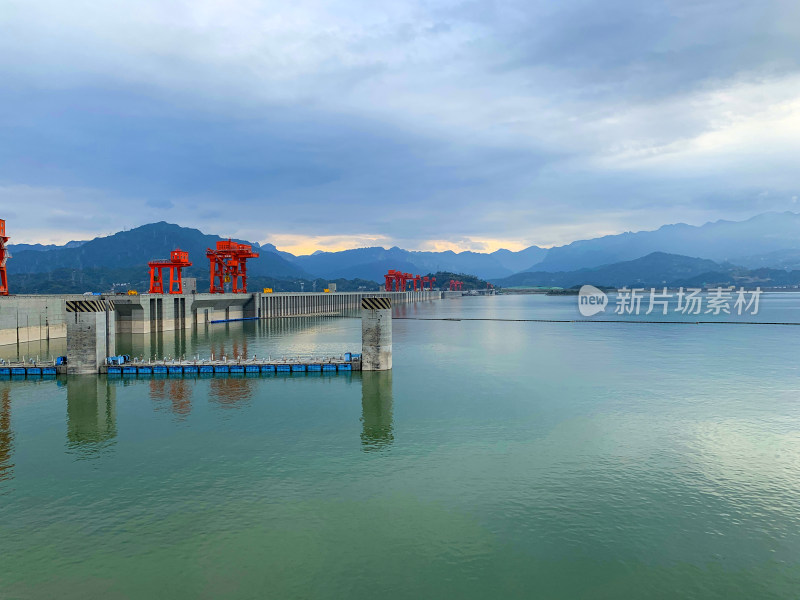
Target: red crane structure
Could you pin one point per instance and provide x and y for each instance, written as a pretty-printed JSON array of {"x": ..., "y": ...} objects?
[
  {"x": 456, "y": 286},
  {"x": 229, "y": 263},
  {"x": 397, "y": 281},
  {"x": 178, "y": 259},
  {"x": 393, "y": 279},
  {"x": 4, "y": 256}
]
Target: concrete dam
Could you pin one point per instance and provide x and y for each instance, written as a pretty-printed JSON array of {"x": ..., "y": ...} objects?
[
  {"x": 44, "y": 317},
  {"x": 91, "y": 323}
]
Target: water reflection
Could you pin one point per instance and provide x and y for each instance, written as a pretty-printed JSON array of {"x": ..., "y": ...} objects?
[
  {"x": 300, "y": 336},
  {"x": 176, "y": 392},
  {"x": 91, "y": 414},
  {"x": 376, "y": 410},
  {"x": 43, "y": 350},
  {"x": 228, "y": 348},
  {"x": 230, "y": 392},
  {"x": 6, "y": 435}
]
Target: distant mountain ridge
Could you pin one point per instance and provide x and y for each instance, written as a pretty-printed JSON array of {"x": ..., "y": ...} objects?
[
  {"x": 769, "y": 240},
  {"x": 720, "y": 241},
  {"x": 372, "y": 262},
  {"x": 653, "y": 270},
  {"x": 155, "y": 240},
  {"x": 43, "y": 247},
  {"x": 657, "y": 270},
  {"x": 135, "y": 247}
]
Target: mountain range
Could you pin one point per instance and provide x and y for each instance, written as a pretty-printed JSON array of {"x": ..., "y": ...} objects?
[
  {"x": 372, "y": 263},
  {"x": 135, "y": 247},
  {"x": 656, "y": 270},
  {"x": 769, "y": 243},
  {"x": 739, "y": 242}
]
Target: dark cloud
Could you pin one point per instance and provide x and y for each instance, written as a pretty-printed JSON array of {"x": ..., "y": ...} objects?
[{"x": 420, "y": 121}]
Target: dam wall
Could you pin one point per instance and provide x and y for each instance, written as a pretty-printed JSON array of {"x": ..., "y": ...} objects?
[{"x": 31, "y": 318}]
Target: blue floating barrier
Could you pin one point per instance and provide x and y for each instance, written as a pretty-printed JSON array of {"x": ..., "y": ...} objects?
[
  {"x": 329, "y": 368},
  {"x": 48, "y": 370},
  {"x": 206, "y": 369},
  {"x": 159, "y": 369},
  {"x": 221, "y": 369},
  {"x": 34, "y": 371},
  {"x": 142, "y": 370},
  {"x": 5, "y": 371},
  {"x": 345, "y": 367},
  {"x": 190, "y": 369},
  {"x": 284, "y": 368},
  {"x": 252, "y": 369},
  {"x": 18, "y": 371},
  {"x": 315, "y": 368},
  {"x": 268, "y": 368},
  {"x": 115, "y": 370},
  {"x": 176, "y": 370},
  {"x": 298, "y": 368},
  {"x": 237, "y": 369}
]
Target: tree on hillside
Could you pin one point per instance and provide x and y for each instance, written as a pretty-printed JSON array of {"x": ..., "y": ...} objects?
[{"x": 471, "y": 282}]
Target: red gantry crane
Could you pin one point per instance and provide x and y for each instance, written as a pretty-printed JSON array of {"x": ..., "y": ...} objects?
[
  {"x": 392, "y": 282},
  {"x": 229, "y": 263},
  {"x": 397, "y": 281},
  {"x": 4, "y": 256},
  {"x": 178, "y": 259}
]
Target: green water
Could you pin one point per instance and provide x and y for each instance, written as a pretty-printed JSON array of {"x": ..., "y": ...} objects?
[{"x": 497, "y": 460}]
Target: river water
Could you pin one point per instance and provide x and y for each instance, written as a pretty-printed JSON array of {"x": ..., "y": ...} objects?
[{"x": 499, "y": 459}]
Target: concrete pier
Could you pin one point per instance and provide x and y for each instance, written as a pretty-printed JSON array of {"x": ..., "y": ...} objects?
[
  {"x": 91, "y": 335},
  {"x": 376, "y": 334}
]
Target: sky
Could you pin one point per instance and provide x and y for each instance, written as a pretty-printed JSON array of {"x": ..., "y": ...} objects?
[{"x": 431, "y": 125}]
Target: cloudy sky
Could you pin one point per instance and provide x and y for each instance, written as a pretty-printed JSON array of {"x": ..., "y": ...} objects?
[{"x": 328, "y": 124}]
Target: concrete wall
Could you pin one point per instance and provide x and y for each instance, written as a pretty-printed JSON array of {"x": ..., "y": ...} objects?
[
  {"x": 91, "y": 337},
  {"x": 32, "y": 318},
  {"x": 295, "y": 304}
]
